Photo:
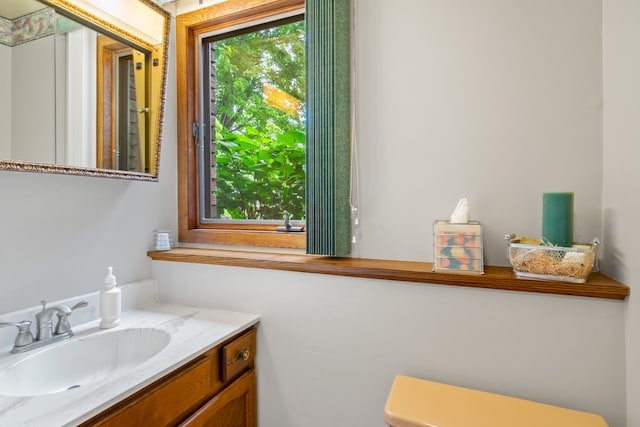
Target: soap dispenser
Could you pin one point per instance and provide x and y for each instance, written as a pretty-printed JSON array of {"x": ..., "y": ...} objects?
[{"x": 110, "y": 302}]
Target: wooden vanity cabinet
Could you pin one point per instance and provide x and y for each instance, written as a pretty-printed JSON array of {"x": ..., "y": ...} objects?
[
  {"x": 217, "y": 388},
  {"x": 235, "y": 406}
]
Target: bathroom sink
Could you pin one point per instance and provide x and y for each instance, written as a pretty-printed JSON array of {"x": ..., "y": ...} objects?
[{"x": 81, "y": 361}]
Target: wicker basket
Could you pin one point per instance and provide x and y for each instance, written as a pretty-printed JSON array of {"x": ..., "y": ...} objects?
[{"x": 572, "y": 264}]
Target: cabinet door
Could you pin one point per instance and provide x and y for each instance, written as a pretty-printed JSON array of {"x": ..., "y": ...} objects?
[{"x": 235, "y": 406}]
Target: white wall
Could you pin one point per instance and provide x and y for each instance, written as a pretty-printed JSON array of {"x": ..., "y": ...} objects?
[
  {"x": 33, "y": 96},
  {"x": 492, "y": 100},
  {"x": 5, "y": 102},
  {"x": 496, "y": 101},
  {"x": 59, "y": 233},
  {"x": 621, "y": 173},
  {"x": 329, "y": 347},
  {"x": 521, "y": 125}
]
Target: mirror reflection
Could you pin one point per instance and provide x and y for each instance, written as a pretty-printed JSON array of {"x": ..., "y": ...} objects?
[
  {"x": 76, "y": 97},
  {"x": 121, "y": 90}
]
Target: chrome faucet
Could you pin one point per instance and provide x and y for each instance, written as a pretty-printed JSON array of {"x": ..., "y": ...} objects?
[
  {"x": 44, "y": 324},
  {"x": 46, "y": 334}
]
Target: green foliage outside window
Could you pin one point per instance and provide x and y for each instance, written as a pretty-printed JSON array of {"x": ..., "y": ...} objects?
[{"x": 260, "y": 123}]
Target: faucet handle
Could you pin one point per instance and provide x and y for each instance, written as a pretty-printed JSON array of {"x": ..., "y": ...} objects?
[
  {"x": 24, "y": 336},
  {"x": 63, "y": 325},
  {"x": 79, "y": 305}
]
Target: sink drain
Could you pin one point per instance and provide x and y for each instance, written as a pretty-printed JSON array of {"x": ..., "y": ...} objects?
[{"x": 73, "y": 386}]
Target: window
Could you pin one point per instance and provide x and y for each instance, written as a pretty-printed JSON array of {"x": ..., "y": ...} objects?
[
  {"x": 253, "y": 109},
  {"x": 214, "y": 205},
  {"x": 205, "y": 176}
]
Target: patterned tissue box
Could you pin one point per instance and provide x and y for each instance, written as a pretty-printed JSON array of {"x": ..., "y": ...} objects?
[{"x": 457, "y": 248}]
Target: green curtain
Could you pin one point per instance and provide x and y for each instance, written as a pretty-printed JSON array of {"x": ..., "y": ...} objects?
[{"x": 328, "y": 127}]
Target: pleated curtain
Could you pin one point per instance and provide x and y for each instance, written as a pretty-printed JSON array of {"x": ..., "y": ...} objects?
[{"x": 328, "y": 127}]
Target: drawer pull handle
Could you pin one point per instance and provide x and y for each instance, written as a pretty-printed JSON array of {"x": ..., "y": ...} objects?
[{"x": 244, "y": 355}]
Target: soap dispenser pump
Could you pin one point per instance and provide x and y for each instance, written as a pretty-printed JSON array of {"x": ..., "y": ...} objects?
[{"x": 110, "y": 302}]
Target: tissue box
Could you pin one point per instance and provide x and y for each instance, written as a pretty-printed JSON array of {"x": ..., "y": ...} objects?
[{"x": 457, "y": 248}]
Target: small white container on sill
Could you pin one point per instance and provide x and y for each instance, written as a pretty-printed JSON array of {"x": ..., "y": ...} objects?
[{"x": 162, "y": 240}]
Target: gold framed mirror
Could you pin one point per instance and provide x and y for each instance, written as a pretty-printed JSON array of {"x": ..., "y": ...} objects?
[{"x": 86, "y": 82}]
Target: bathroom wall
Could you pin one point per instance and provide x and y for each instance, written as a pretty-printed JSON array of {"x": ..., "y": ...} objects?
[
  {"x": 33, "y": 101},
  {"x": 59, "y": 233},
  {"x": 621, "y": 184},
  {"x": 5, "y": 102},
  {"x": 475, "y": 99},
  {"x": 329, "y": 347},
  {"x": 479, "y": 100},
  {"x": 442, "y": 114}
]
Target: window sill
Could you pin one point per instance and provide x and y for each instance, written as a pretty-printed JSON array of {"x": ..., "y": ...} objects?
[{"x": 502, "y": 278}]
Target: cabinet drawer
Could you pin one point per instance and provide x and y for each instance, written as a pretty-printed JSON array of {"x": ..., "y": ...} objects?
[
  {"x": 168, "y": 402},
  {"x": 238, "y": 355},
  {"x": 179, "y": 394}
]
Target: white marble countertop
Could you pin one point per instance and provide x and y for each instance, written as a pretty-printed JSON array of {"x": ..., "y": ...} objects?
[{"x": 193, "y": 331}]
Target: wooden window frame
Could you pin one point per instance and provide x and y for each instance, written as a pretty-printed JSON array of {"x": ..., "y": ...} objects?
[{"x": 189, "y": 27}]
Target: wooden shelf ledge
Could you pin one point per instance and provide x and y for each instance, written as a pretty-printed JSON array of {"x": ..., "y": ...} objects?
[{"x": 598, "y": 286}]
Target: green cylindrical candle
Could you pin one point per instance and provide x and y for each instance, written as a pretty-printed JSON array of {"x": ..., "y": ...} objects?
[{"x": 557, "y": 218}]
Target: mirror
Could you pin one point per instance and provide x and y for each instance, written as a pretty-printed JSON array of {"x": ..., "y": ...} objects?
[{"x": 86, "y": 86}]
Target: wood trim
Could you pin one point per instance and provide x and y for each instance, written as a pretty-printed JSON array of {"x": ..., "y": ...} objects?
[
  {"x": 231, "y": 13},
  {"x": 245, "y": 238},
  {"x": 105, "y": 123},
  {"x": 599, "y": 285},
  {"x": 70, "y": 9},
  {"x": 107, "y": 48},
  {"x": 189, "y": 27},
  {"x": 186, "y": 98}
]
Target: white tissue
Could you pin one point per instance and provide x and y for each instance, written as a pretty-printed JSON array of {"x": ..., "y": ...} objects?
[{"x": 461, "y": 213}]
